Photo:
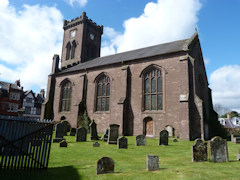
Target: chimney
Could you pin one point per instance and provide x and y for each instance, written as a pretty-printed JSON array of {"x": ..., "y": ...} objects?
[
  {"x": 42, "y": 92},
  {"x": 17, "y": 82},
  {"x": 228, "y": 116}
]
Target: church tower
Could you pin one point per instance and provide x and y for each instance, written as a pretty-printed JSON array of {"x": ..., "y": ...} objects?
[{"x": 81, "y": 41}]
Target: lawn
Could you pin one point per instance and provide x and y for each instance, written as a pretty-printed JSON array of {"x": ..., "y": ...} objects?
[{"x": 79, "y": 161}]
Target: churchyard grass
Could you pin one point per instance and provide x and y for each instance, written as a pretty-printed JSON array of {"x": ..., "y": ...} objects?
[{"x": 79, "y": 161}]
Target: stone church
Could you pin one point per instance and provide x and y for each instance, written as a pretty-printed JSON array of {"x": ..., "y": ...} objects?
[{"x": 144, "y": 90}]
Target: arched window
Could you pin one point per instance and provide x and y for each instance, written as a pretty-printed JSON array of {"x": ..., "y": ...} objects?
[
  {"x": 102, "y": 93},
  {"x": 66, "y": 93},
  {"x": 68, "y": 47},
  {"x": 153, "y": 90},
  {"x": 74, "y": 45}
]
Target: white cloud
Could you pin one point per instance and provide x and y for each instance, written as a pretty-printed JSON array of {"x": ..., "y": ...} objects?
[
  {"x": 164, "y": 21},
  {"x": 225, "y": 84},
  {"x": 81, "y": 3},
  {"x": 29, "y": 39}
]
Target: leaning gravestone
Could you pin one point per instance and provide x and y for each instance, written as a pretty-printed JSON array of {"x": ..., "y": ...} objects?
[
  {"x": 67, "y": 127},
  {"x": 93, "y": 131},
  {"x": 105, "y": 165},
  {"x": 63, "y": 143},
  {"x": 59, "y": 128},
  {"x": 96, "y": 144},
  {"x": 81, "y": 134},
  {"x": 122, "y": 143},
  {"x": 73, "y": 132},
  {"x": 218, "y": 150},
  {"x": 105, "y": 135},
  {"x": 199, "y": 151},
  {"x": 152, "y": 163},
  {"x": 163, "y": 138},
  {"x": 140, "y": 140},
  {"x": 113, "y": 133}
]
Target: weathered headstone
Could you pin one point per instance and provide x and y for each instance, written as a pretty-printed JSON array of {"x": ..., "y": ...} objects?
[
  {"x": 140, "y": 140},
  {"x": 93, "y": 131},
  {"x": 73, "y": 132},
  {"x": 122, "y": 143},
  {"x": 63, "y": 143},
  {"x": 163, "y": 138},
  {"x": 67, "y": 127},
  {"x": 218, "y": 150},
  {"x": 105, "y": 135},
  {"x": 113, "y": 133},
  {"x": 59, "y": 128},
  {"x": 96, "y": 144},
  {"x": 235, "y": 138},
  {"x": 199, "y": 151},
  {"x": 81, "y": 134},
  {"x": 238, "y": 156},
  {"x": 175, "y": 140},
  {"x": 105, "y": 165},
  {"x": 152, "y": 163}
]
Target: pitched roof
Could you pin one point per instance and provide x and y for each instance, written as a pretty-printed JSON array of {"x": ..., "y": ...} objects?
[
  {"x": 4, "y": 85},
  {"x": 151, "y": 51}
]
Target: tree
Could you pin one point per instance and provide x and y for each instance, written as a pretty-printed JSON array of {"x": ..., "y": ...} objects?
[{"x": 220, "y": 109}]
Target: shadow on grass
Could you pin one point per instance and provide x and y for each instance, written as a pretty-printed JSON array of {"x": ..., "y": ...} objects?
[{"x": 67, "y": 172}]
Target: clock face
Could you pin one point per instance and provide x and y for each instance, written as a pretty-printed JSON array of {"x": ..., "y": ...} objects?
[
  {"x": 72, "y": 33},
  {"x": 92, "y": 36}
]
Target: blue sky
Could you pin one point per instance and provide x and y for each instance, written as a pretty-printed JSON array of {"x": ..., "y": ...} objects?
[{"x": 31, "y": 33}]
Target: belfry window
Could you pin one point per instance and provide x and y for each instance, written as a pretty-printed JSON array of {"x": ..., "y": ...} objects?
[
  {"x": 73, "y": 49},
  {"x": 66, "y": 94},
  {"x": 153, "y": 90},
  {"x": 68, "y": 47},
  {"x": 102, "y": 93}
]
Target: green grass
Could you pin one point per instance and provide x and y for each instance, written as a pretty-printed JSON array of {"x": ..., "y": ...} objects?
[{"x": 79, "y": 161}]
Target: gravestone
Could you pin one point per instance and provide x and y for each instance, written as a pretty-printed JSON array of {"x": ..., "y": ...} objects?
[
  {"x": 59, "y": 128},
  {"x": 105, "y": 165},
  {"x": 122, "y": 143},
  {"x": 235, "y": 138},
  {"x": 81, "y": 134},
  {"x": 96, "y": 144},
  {"x": 238, "y": 156},
  {"x": 218, "y": 150},
  {"x": 152, "y": 163},
  {"x": 140, "y": 140},
  {"x": 199, "y": 151},
  {"x": 105, "y": 135},
  {"x": 73, "y": 132},
  {"x": 63, "y": 143},
  {"x": 163, "y": 138},
  {"x": 175, "y": 140},
  {"x": 93, "y": 131},
  {"x": 113, "y": 133},
  {"x": 67, "y": 127}
]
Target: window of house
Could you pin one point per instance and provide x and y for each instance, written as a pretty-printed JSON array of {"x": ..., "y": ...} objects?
[
  {"x": 103, "y": 93},
  {"x": 153, "y": 90},
  {"x": 66, "y": 93},
  {"x": 12, "y": 107},
  {"x": 27, "y": 110},
  {"x": 29, "y": 100},
  {"x": 14, "y": 96}
]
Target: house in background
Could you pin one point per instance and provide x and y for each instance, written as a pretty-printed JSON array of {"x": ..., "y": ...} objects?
[
  {"x": 10, "y": 98},
  {"x": 32, "y": 104}
]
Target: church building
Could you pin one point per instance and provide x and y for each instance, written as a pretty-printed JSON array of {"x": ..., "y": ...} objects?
[{"x": 144, "y": 91}]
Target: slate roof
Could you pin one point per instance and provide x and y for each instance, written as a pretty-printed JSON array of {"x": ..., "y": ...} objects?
[
  {"x": 151, "y": 51},
  {"x": 4, "y": 85}
]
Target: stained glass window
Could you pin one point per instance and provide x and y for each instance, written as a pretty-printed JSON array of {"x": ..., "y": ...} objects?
[
  {"x": 103, "y": 94},
  {"x": 66, "y": 94}
]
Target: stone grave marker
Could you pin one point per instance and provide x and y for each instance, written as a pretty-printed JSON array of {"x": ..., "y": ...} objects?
[
  {"x": 113, "y": 133},
  {"x": 175, "y": 140},
  {"x": 105, "y": 165},
  {"x": 59, "y": 128},
  {"x": 152, "y": 163},
  {"x": 73, "y": 132},
  {"x": 163, "y": 138},
  {"x": 93, "y": 131},
  {"x": 81, "y": 134},
  {"x": 238, "y": 156},
  {"x": 96, "y": 144},
  {"x": 63, "y": 143},
  {"x": 67, "y": 127},
  {"x": 218, "y": 150},
  {"x": 122, "y": 143},
  {"x": 199, "y": 151},
  {"x": 105, "y": 135},
  {"x": 140, "y": 140}
]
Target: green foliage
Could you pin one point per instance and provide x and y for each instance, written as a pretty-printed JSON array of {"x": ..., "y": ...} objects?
[
  {"x": 232, "y": 114},
  {"x": 84, "y": 120},
  {"x": 79, "y": 161}
]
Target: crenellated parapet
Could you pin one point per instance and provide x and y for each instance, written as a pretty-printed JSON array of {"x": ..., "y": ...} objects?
[{"x": 82, "y": 19}]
